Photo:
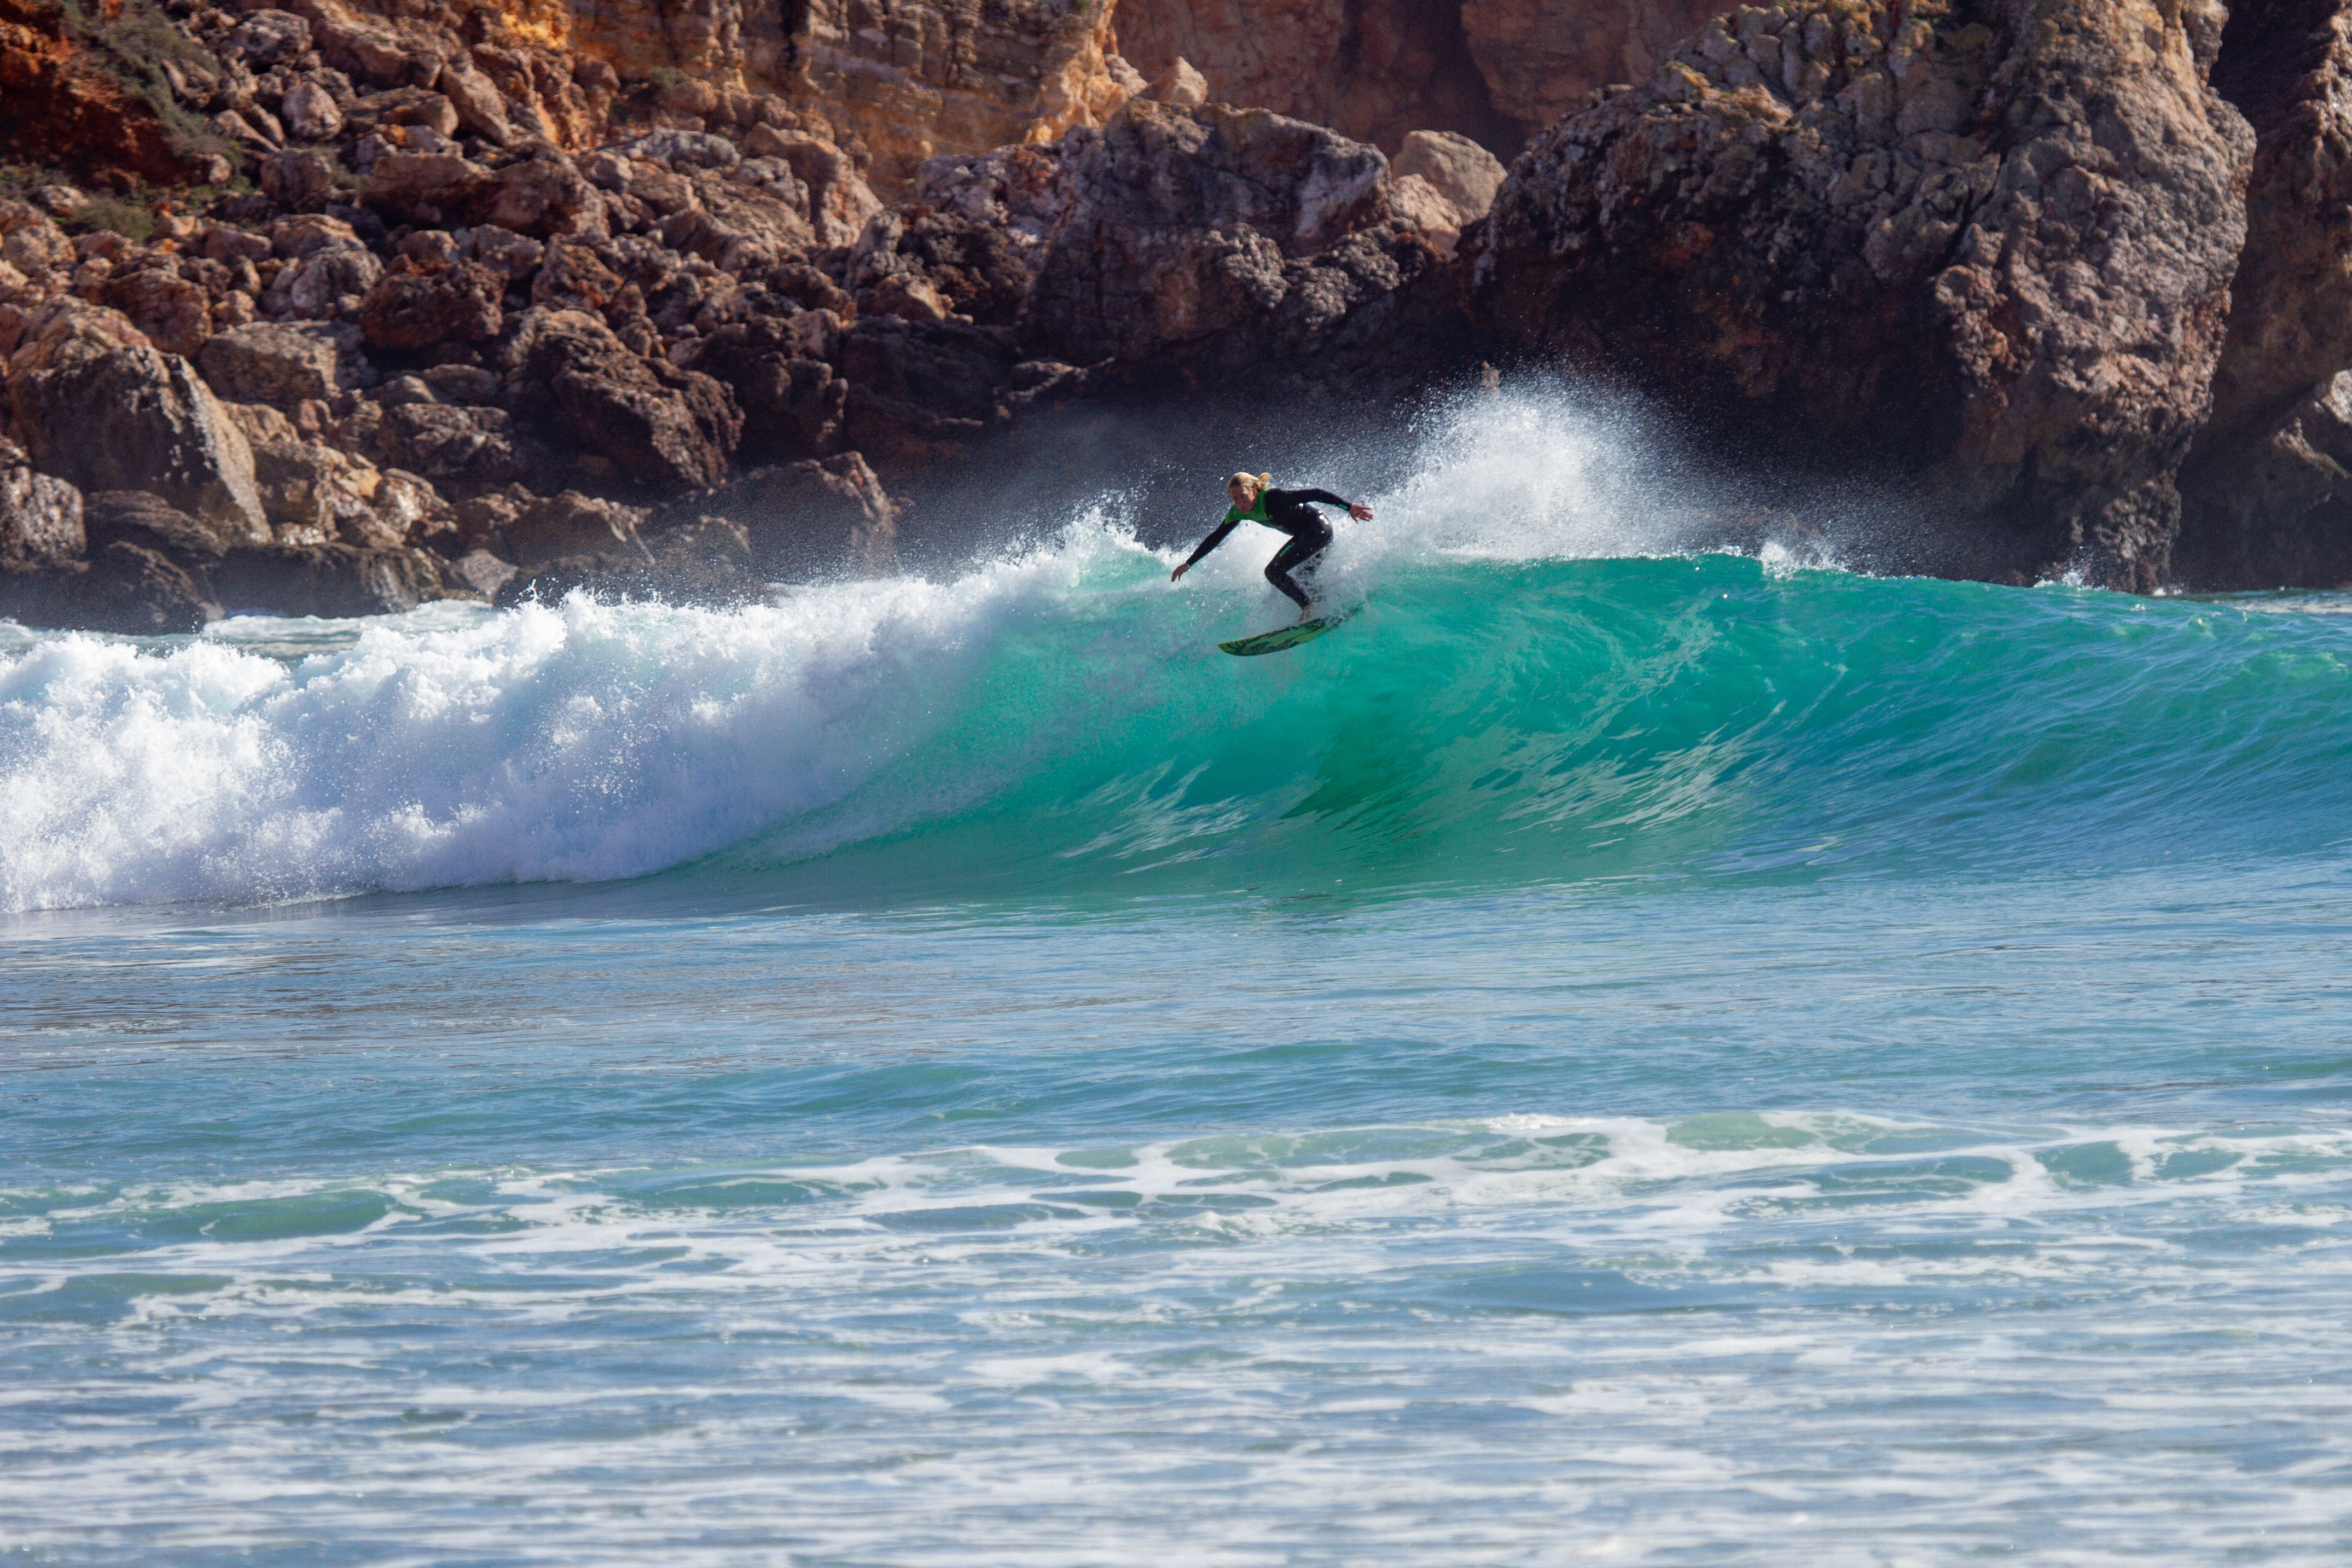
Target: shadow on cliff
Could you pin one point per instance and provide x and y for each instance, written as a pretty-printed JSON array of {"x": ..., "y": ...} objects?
[{"x": 1532, "y": 464}]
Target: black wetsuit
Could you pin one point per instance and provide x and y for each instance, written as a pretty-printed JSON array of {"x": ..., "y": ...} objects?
[{"x": 1285, "y": 512}]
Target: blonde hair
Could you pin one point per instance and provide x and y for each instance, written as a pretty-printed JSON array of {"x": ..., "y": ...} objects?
[{"x": 1258, "y": 483}]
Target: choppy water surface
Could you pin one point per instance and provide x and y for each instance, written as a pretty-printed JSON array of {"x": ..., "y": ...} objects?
[{"x": 1616, "y": 1057}]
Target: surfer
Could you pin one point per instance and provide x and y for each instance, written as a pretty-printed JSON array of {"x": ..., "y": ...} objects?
[{"x": 1285, "y": 512}]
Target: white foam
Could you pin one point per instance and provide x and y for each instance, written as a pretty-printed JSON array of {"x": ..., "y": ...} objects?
[
  {"x": 858, "y": 1375},
  {"x": 579, "y": 742}
]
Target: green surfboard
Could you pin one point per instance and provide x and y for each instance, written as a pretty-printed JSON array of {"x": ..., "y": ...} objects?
[{"x": 1288, "y": 636}]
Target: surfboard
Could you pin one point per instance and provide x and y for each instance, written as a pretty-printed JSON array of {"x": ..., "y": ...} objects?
[{"x": 1287, "y": 637}]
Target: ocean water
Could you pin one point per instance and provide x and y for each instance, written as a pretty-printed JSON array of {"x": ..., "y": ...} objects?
[{"x": 1611, "y": 1055}]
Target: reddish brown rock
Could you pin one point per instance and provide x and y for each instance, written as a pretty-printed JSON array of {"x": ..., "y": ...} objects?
[
  {"x": 416, "y": 306},
  {"x": 113, "y": 419},
  {"x": 662, "y": 426},
  {"x": 1372, "y": 70},
  {"x": 284, "y": 363},
  {"x": 1181, "y": 221},
  {"x": 1980, "y": 247},
  {"x": 571, "y": 524}
]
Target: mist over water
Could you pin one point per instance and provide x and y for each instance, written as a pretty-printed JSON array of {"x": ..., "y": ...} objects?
[{"x": 1622, "y": 1051}]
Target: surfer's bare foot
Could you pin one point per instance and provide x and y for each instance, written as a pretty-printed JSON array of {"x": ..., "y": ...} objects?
[{"x": 1308, "y": 614}]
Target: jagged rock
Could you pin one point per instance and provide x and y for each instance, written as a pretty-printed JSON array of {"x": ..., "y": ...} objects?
[
  {"x": 511, "y": 256},
  {"x": 171, "y": 311},
  {"x": 2264, "y": 473},
  {"x": 543, "y": 196},
  {"x": 1182, "y": 220},
  {"x": 297, "y": 181},
  {"x": 1456, "y": 167},
  {"x": 131, "y": 417},
  {"x": 331, "y": 283},
  {"x": 840, "y": 203},
  {"x": 1418, "y": 206},
  {"x": 40, "y": 516},
  {"x": 665, "y": 426},
  {"x": 407, "y": 106},
  {"x": 429, "y": 189},
  {"x": 575, "y": 279},
  {"x": 1371, "y": 70},
  {"x": 1540, "y": 57},
  {"x": 904, "y": 85},
  {"x": 265, "y": 37},
  {"x": 227, "y": 245},
  {"x": 331, "y": 580},
  {"x": 1986, "y": 251},
  {"x": 2276, "y": 511},
  {"x": 463, "y": 383},
  {"x": 466, "y": 448},
  {"x": 480, "y": 107},
  {"x": 66, "y": 330},
  {"x": 1179, "y": 85},
  {"x": 740, "y": 228},
  {"x": 813, "y": 519},
  {"x": 793, "y": 405},
  {"x": 284, "y": 363},
  {"x": 973, "y": 268},
  {"x": 920, "y": 393},
  {"x": 571, "y": 525},
  {"x": 481, "y": 572},
  {"x": 307, "y": 234},
  {"x": 416, "y": 306},
  {"x": 686, "y": 149},
  {"x": 314, "y": 494},
  {"x": 310, "y": 113}
]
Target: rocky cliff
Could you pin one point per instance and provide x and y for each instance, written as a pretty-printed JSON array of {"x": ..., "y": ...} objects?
[
  {"x": 1980, "y": 247},
  {"x": 336, "y": 307}
]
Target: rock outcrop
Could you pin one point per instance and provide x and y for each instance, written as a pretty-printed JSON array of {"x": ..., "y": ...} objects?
[
  {"x": 2268, "y": 501},
  {"x": 106, "y": 417},
  {"x": 1374, "y": 71},
  {"x": 1983, "y": 247},
  {"x": 1540, "y": 58},
  {"x": 1219, "y": 236}
]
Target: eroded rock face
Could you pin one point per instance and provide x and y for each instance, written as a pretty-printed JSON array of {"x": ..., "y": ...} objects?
[
  {"x": 1539, "y": 57},
  {"x": 2288, "y": 67},
  {"x": 1983, "y": 245},
  {"x": 2273, "y": 508},
  {"x": 2264, "y": 486},
  {"x": 1372, "y": 70},
  {"x": 285, "y": 362},
  {"x": 1181, "y": 221},
  {"x": 131, "y": 418},
  {"x": 326, "y": 580},
  {"x": 667, "y": 426}
]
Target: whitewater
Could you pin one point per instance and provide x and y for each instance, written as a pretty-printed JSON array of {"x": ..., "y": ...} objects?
[{"x": 1621, "y": 1052}]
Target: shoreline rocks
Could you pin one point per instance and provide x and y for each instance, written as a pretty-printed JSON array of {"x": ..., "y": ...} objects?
[
  {"x": 1983, "y": 248},
  {"x": 2023, "y": 262}
]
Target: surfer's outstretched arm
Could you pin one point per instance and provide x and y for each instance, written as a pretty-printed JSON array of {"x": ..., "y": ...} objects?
[{"x": 1233, "y": 521}]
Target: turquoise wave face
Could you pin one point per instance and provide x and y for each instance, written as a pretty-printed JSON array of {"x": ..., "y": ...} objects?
[
  {"x": 1487, "y": 722},
  {"x": 1061, "y": 725}
]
